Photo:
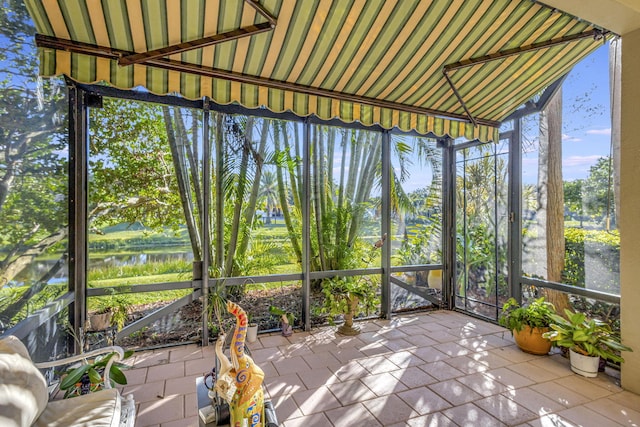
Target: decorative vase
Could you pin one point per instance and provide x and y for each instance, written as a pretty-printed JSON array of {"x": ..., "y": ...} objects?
[
  {"x": 100, "y": 322},
  {"x": 287, "y": 329},
  {"x": 587, "y": 366},
  {"x": 347, "y": 327},
  {"x": 252, "y": 332},
  {"x": 435, "y": 279},
  {"x": 531, "y": 340}
]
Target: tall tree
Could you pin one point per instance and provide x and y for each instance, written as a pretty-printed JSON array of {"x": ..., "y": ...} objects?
[
  {"x": 551, "y": 195},
  {"x": 33, "y": 157}
]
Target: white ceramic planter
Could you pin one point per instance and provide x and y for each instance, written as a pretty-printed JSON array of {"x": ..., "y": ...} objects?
[
  {"x": 252, "y": 333},
  {"x": 587, "y": 366}
]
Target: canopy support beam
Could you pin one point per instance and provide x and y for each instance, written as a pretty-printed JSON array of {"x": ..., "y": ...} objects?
[
  {"x": 239, "y": 33},
  {"x": 597, "y": 34},
  {"x": 171, "y": 65},
  {"x": 136, "y": 58}
]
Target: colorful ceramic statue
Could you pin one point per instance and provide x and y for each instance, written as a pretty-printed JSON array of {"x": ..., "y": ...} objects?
[{"x": 240, "y": 380}]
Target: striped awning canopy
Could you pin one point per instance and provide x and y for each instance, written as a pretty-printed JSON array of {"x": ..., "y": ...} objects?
[{"x": 447, "y": 67}]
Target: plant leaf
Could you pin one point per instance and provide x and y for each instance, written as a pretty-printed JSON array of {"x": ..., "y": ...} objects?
[{"x": 73, "y": 376}]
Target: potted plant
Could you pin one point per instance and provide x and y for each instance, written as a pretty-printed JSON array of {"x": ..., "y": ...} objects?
[
  {"x": 588, "y": 340},
  {"x": 286, "y": 317},
  {"x": 346, "y": 296},
  {"x": 110, "y": 311},
  {"x": 350, "y": 295},
  {"x": 91, "y": 376},
  {"x": 528, "y": 323}
]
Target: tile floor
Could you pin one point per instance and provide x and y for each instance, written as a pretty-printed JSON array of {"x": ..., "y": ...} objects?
[{"x": 436, "y": 369}]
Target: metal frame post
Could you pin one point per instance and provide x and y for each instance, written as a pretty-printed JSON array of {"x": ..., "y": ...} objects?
[
  {"x": 206, "y": 189},
  {"x": 515, "y": 210},
  {"x": 448, "y": 222},
  {"x": 78, "y": 178},
  {"x": 306, "y": 226},
  {"x": 385, "y": 303}
]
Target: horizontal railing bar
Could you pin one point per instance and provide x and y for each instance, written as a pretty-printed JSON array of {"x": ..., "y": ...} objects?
[
  {"x": 601, "y": 296},
  {"x": 32, "y": 322},
  {"x": 314, "y": 275},
  {"x": 130, "y": 289},
  {"x": 250, "y": 280},
  {"x": 413, "y": 268}
]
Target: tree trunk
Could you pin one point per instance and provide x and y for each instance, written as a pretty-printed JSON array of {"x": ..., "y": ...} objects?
[
  {"x": 250, "y": 212},
  {"x": 183, "y": 185},
  {"x": 239, "y": 199},
  {"x": 316, "y": 190},
  {"x": 282, "y": 193},
  {"x": 552, "y": 196}
]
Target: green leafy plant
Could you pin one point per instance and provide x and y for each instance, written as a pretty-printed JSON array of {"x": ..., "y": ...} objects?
[
  {"x": 89, "y": 376},
  {"x": 349, "y": 295},
  {"x": 589, "y": 337},
  {"x": 537, "y": 314},
  {"x": 116, "y": 304}
]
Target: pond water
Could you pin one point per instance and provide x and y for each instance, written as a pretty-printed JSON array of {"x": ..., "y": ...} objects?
[
  {"x": 169, "y": 254},
  {"x": 41, "y": 267}
]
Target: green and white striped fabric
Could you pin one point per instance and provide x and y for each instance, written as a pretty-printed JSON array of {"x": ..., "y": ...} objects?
[{"x": 372, "y": 61}]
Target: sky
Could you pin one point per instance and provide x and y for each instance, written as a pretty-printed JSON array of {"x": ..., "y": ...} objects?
[{"x": 586, "y": 114}]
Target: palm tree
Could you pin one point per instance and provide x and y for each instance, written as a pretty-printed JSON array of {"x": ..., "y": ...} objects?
[{"x": 269, "y": 192}]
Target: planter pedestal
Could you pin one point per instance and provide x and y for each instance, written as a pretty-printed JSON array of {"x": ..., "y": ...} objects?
[
  {"x": 347, "y": 328},
  {"x": 587, "y": 366}
]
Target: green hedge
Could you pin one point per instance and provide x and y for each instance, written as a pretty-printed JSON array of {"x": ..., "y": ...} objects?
[{"x": 604, "y": 245}]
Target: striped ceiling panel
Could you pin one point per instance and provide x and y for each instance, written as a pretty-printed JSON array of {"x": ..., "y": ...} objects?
[{"x": 449, "y": 67}]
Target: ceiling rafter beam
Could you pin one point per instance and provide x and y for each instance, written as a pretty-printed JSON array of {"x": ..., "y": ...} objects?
[
  {"x": 262, "y": 11},
  {"x": 137, "y": 58},
  {"x": 595, "y": 33},
  {"x": 167, "y": 64}
]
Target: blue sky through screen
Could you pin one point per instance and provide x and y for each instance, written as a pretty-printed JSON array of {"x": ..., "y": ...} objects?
[{"x": 586, "y": 119}]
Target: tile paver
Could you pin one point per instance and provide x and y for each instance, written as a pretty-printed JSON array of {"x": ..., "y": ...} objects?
[
  {"x": 383, "y": 384},
  {"x": 435, "y": 369},
  {"x": 413, "y": 377},
  {"x": 423, "y": 400},
  {"x": 350, "y": 392},
  {"x": 469, "y": 415},
  {"x": 455, "y": 392},
  {"x": 390, "y": 409},
  {"x": 532, "y": 400},
  {"x": 316, "y": 400},
  {"x": 352, "y": 416},
  {"x": 505, "y": 410}
]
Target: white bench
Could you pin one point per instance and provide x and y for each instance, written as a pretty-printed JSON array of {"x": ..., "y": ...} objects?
[{"x": 24, "y": 395}]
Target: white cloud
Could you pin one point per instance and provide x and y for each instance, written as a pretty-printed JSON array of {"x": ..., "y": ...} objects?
[
  {"x": 606, "y": 131},
  {"x": 569, "y": 138},
  {"x": 580, "y": 161}
]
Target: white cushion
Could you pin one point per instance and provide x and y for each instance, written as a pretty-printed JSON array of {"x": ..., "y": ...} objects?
[
  {"x": 23, "y": 389},
  {"x": 99, "y": 409}
]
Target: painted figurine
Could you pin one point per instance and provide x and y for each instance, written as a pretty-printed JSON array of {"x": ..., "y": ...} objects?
[{"x": 240, "y": 380}]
